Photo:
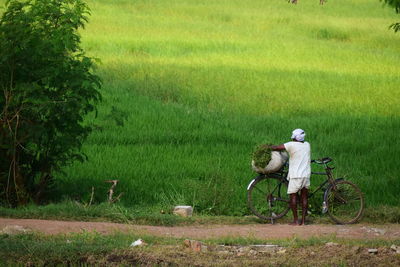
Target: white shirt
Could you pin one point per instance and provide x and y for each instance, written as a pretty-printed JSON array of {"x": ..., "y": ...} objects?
[{"x": 299, "y": 159}]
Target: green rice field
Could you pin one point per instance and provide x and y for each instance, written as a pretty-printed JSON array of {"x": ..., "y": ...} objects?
[{"x": 190, "y": 87}]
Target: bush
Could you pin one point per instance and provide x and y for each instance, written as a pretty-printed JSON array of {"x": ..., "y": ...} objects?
[{"x": 47, "y": 88}]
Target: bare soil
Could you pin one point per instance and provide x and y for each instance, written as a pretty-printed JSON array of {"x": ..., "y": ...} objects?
[
  {"x": 344, "y": 254},
  {"x": 259, "y": 231},
  {"x": 318, "y": 255}
]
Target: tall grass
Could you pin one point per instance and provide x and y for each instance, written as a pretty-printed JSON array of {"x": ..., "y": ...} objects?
[{"x": 190, "y": 87}]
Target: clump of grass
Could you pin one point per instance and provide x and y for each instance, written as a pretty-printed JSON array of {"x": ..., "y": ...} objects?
[
  {"x": 382, "y": 213},
  {"x": 262, "y": 155},
  {"x": 330, "y": 34}
]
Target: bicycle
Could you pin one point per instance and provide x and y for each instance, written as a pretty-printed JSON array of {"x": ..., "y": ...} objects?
[{"x": 343, "y": 201}]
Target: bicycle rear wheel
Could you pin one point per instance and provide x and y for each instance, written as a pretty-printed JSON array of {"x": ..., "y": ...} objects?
[
  {"x": 345, "y": 202},
  {"x": 267, "y": 198}
]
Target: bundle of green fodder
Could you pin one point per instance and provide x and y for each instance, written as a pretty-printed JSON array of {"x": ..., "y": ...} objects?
[{"x": 265, "y": 160}]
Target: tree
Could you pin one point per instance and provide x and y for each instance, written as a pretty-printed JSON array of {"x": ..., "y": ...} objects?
[
  {"x": 396, "y": 5},
  {"x": 47, "y": 87}
]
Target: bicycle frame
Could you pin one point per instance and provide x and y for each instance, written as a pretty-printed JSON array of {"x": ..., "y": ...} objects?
[
  {"x": 328, "y": 173},
  {"x": 282, "y": 177},
  {"x": 330, "y": 180}
]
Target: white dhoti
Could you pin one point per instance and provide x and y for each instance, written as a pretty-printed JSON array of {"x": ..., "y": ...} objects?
[{"x": 296, "y": 184}]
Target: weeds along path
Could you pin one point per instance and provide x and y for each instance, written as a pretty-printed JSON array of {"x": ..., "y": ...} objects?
[{"x": 259, "y": 231}]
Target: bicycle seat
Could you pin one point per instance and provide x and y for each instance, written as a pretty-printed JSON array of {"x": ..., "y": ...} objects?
[{"x": 322, "y": 161}]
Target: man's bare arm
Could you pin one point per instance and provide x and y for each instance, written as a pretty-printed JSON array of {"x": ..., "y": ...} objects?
[{"x": 278, "y": 147}]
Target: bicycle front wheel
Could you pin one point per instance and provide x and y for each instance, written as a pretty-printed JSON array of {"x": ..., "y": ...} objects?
[
  {"x": 267, "y": 198},
  {"x": 345, "y": 202}
]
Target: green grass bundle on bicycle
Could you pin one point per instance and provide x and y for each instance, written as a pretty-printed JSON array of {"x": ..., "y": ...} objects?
[
  {"x": 271, "y": 194},
  {"x": 265, "y": 160}
]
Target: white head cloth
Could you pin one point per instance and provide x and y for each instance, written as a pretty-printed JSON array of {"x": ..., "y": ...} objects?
[{"x": 298, "y": 135}]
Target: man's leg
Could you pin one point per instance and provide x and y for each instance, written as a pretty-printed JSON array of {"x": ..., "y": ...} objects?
[
  {"x": 304, "y": 202},
  {"x": 293, "y": 206}
]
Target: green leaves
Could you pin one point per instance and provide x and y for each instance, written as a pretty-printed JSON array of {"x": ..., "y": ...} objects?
[
  {"x": 47, "y": 88},
  {"x": 262, "y": 155},
  {"x": 393, "y": 3},
  {"x": 395, "y": 27},
  {"x": 396, "y": 5}
]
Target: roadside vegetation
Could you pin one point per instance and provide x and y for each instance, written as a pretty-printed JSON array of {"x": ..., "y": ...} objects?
[
  {"x": 190, "y": 88},
  {"x": 47, "y": 87},
  {"x": 94, "y": 248},
  {"x": 157, "y": 215}
]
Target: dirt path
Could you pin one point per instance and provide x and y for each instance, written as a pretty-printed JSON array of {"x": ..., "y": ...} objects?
[{"x": 260, "y": 231}]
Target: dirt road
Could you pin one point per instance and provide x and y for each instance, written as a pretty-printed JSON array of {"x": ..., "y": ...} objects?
[{"x": 259, "y": 231}]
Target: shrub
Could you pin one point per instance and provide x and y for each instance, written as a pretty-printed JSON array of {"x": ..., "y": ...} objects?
[{"x": 47, "y": 87}]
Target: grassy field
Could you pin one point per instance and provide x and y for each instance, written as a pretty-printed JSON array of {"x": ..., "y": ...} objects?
[{"x": 190, "y": 87}]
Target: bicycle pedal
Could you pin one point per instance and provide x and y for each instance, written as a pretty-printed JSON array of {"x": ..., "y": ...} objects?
[{"x": 324, "y": 207}]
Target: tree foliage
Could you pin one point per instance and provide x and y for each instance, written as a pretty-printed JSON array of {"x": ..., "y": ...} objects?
[
  {"x": 396, "y": 5},
  {"x": 47, "y": 87}
]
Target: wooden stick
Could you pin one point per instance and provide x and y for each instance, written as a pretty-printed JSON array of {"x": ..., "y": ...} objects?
[
  {"x": 117, "y": 198},
  {"x": 111, "y": 191},
  {"x": 91, "y": 197}
]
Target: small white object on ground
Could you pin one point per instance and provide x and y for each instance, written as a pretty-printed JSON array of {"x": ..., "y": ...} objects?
[
  {"x": 184, "y": 211},
  {"x": 331, "y": 244},
  {"x": 395, "y": 248},
  {"x": 373, "y": 250},
  {"x": 138, "y": 242}
]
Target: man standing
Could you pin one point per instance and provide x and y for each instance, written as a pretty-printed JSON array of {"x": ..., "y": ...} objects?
[{"x": 299, "y": 172}]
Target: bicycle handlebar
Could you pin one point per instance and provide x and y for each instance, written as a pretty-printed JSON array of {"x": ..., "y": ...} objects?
[{"x": 322, "y": 161}]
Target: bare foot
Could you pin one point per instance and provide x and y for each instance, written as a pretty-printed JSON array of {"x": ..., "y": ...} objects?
[
  {"x": 303, "y": 222},
  {"x": 294, "y": 223}
]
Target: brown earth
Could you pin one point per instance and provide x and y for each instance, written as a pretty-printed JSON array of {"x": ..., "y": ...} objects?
[
  {"x": 314, "y": 255},
  {"x": 259, "y": 231},
  {"x": 345, "y": 253}
]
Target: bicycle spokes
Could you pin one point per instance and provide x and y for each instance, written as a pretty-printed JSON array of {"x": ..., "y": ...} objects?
[
  {"x": 265, "y": 198},
  {"x": 345, "y": 202}
]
